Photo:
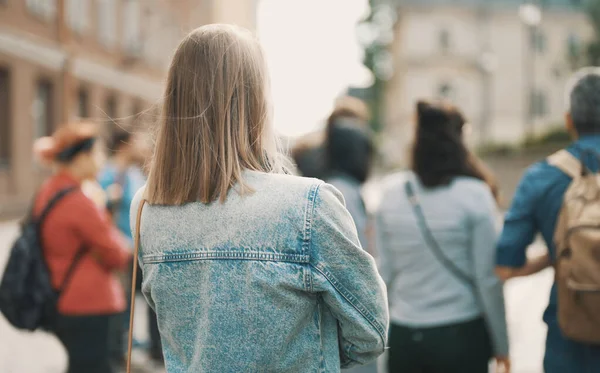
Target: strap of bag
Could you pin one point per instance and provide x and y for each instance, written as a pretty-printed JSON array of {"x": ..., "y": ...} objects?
[
  {"x": 431, "y": 242},
  {"x": 133, "y": 281},
  {"x": 40, "y": 221},
  {"x": 53, "y": 201},
  {"x": 566, "y": 162},
  {"x": 71, "y": 270}
]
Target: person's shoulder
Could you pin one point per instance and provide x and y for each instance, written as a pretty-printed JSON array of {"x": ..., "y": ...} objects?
[
  {"x": 541, "y": 175},
  {"x": 471, "y": 185},
  {"x": 395, "y": 180},
  {"x": 137, "y": 198},
  {"x": 293, "y": 191},
  {"x": 281, "y": 184}
]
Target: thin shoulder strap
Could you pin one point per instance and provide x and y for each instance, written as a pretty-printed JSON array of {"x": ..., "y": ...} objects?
[
  {"x": 566, "y": 162},
  {"x": 133, "y": 281},
  {"x": 430, "y": 240}
]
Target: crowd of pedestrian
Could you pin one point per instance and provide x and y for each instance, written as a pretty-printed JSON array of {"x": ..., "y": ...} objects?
[{"x": 247, "y": 267}]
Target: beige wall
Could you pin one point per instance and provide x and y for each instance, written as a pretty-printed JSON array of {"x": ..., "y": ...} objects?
[{"x": 239, "y": 12}]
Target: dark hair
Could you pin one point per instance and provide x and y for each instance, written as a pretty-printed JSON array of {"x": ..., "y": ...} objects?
[
  {"x": 349, "y": 148},
  {"x": 118, "y": 139},
  {"x": 349, "y": 107},
  {"x": 439, "y": 153},
  {"x": 309, "y": 156},
  {"x": 584, "y": 101}
]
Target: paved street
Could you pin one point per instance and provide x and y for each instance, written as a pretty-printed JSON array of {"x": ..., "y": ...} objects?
[{"x": 41, "y": 353}]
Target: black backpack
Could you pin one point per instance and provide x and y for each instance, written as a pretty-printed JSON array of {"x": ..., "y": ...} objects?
[{"x": 27, "y": 299}]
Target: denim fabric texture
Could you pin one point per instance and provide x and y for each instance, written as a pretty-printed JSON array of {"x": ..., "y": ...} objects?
[{"x": 270, "y": 281}]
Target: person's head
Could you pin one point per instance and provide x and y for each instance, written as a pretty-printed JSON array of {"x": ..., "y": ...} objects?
[
  {"x": 121, "y": 143},
  {"x": 73, "y": 148},
  {"x": 215, "y": 121},
  {"x": 309, "y": 155},
  {"x": 349, "y": 148},
  {"x": 439, "y": 153},
  {"x": 583, "y": 102},
  {"x": 349, "y": 107}
]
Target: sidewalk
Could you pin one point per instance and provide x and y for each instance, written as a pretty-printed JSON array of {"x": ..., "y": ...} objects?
[{"x": 526, "y": 299}]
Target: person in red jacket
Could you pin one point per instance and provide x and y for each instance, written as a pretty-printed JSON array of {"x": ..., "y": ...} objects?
[{"x": 93, "y": 298}]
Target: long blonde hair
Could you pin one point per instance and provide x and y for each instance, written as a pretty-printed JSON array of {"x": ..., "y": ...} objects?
[{"x": 215, "y": 121}]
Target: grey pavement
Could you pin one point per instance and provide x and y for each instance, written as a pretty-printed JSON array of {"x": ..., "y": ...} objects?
[{"x": 526, "y": 298}]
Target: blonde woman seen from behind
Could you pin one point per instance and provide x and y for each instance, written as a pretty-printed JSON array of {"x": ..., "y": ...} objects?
[{"x": 248, "y": 269}]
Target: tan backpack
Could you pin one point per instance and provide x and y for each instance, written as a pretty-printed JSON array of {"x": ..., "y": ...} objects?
[{"x": 577, "y": 240}]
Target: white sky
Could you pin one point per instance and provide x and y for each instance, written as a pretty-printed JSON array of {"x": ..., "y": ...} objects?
[{"x": 313, "y": 56}]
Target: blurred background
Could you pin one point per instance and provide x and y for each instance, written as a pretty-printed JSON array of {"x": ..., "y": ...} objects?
[{"x": 504, "y": 62}]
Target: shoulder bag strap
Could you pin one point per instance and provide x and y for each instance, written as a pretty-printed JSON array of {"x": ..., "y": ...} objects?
[
  {"x": 42, "y": 218},
  {"x": 133, "y": 281},
  {"x": 53, "y": 201},
  {"x": 71, "y": 270},
  {"x": 567, "y": 163},
  {"x": 430, "y": 241}
]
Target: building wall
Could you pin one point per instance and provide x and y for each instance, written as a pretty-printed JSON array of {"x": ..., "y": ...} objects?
[
  {"x": 484, "y": 64},
  {"x": 122, "y": 54}
]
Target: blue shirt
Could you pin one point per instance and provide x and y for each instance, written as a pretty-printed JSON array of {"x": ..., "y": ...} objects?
[
  {"x": 535, "y": 208},
  {"x": 132, "y": 180}
]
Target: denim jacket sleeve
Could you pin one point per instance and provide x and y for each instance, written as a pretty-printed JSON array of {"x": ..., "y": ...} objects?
[{"x": 347, "y": 279}]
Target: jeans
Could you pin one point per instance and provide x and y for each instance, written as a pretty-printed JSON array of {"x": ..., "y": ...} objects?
[
  {"x": 90, "y": 342},
  {"x": 457, "y": 348},
  {"x": 563, "y": 355}
]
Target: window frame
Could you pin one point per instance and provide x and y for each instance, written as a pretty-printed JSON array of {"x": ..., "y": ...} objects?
[{"x": 49, "y": 108}]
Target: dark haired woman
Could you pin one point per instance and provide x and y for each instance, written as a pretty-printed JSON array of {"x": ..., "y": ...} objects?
[
  {"x": 78, "y": 234},
  {"x": 348, "y": 155},
  {"x": 437, "y": 244}
]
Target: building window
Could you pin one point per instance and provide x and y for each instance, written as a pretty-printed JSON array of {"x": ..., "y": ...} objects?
[
  {"x": 77, "y": 15},
  {"x": 45, "y": 9},
  {"x": 136, "y": 115},
  {"x": 538, "y": 105},
  {"x": 444, "y": 40},
  {"x": 538, "y": 41},
  {"x": 83, "y": 103},
  {"x": 43, "y": 109},
  {"x": 131, "y": 27},
  {"x": 111, "y": 112},
  {"x": 107, "y": 26},
  {"x": 5, "y": 118}
]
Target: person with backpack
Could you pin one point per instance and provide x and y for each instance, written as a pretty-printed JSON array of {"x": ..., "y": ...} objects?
[
  {"x": 559, "y": 197},
  {"x": 436, "y": 244},
  {"x": 81, "y": 249}
]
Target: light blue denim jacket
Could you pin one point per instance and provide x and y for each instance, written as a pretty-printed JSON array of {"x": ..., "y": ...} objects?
[{"x": 273, "y": 281}]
